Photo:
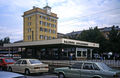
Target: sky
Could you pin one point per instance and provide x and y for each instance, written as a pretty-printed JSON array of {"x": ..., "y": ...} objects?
[{"x": 74, "y": 15}]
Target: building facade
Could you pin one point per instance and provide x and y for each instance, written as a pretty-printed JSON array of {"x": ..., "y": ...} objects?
[{"x": 39, "y": 24}]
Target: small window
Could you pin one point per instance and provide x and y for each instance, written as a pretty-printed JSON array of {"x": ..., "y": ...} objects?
[
  {"x": 40, "y": 22},
  {"x": 46, "y": 37},
  {"x": 24, "y": 62},
  {"x": 35, "y": 62},
  {"x": 41, "y": 29},
  {"x": 29, "y": 37},
  {"x": 29, "y": 23},
  {"x": 29, "y": 18},
  {"x": 45, "y": 30},
  {"x": 40, "y": 16},
  {"x": 54, "y": 31},
  {"x": 88, "y": 66},
  {"x": 41, "y": 36},
  {"x": 95, "y": 67},
  {"x": 50, "y": 31},
  {"x": 49, "y": 37},
  {"x": 77, "y": 65},
  {"x": 9, "y": 60},
  {"x": 45, "y": 23},
  {"x": 18, "y": 62}
]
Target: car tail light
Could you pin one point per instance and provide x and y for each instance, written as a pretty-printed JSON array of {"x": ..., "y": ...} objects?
[{"x": 36, "y": 67}]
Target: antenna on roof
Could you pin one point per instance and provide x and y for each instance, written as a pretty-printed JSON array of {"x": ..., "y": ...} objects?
[{"x": 46, "y": 2}]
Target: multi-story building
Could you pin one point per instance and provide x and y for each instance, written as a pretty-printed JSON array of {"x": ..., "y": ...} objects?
[{"x": 39, "y": 24}]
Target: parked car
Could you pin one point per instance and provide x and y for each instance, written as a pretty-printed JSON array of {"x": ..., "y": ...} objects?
[
  {"x": 4, "y": 62},
  {"x": 28, "y": 66},
  {"x": 5, "y": 74},
  {"x": 87, "y": 70}
]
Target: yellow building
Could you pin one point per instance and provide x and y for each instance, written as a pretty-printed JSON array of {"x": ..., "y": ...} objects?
[{"x": 39, "y": 24}]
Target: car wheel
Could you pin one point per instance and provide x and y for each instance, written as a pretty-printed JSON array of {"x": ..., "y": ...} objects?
[
  {"x": 27, "y": 72},
  {"x": 61, "y": 75},
  {"x": 10, "y": 69}
]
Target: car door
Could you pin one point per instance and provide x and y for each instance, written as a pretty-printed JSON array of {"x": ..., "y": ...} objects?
[
  {"x": 23, "y": 65},
  {"x": 87, "y": 71},
  {"x": 74, "y": 71},
  {"x": 16, "y": 66}
]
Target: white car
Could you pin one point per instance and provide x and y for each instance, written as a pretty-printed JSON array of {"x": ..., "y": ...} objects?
[{"x": 28, "y": 66}]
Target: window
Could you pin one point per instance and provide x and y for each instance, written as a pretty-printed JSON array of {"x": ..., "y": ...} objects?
[
  {"x": 46, "y": 18},
  {"x": 45, "y": 23},
  {"x": 49, "y": 24},
  {"x": 40, "y": 22},
  {"x": 45, "y": 29},
  {"x": 77, "y": 65},
  {"x": 88, "y": 66},
  {"x": 46, "y": 37},
  {"x": 40, "y": 16},
  {"x": 84, "y": 53},
  {"x": 35, "y": 62},
  {"x": 49, "y": 30},
  {"x": 29, "y": 18},
  {"x": 54, "y": 31},
  {"x": 79, "y": 53},
  {"x": 41, "y": 36},
  {"x": 29, "y": 37},
  {"x": 29, "y": 29},
  {"x": 54, "y": 25},
  {"x": 50, "y": 37},
  {"x": 95, "y": 67},
  {"x": 24, "y": 62},
  {"x": 9, "y": 60},
  {"x": 18, "y": 62},
  {"x": 29, "y": 23},
  {"x": 41, "y": 29}
]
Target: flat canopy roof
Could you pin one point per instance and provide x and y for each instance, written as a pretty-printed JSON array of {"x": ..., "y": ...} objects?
[{"x": 54, "y": 42}]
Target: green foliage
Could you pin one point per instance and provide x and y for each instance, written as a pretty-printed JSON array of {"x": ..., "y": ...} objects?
[
  {"x": 111, "y": 44},
  {"x": 5, "y": 40},
  {"x": 114, "y": 40}
]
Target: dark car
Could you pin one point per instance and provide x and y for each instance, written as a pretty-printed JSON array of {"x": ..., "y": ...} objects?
[
  {"x": 5, "y": 74},
  {"x": 4, "y": 62}
]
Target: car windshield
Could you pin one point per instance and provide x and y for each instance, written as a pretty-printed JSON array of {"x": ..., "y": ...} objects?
[
  {"x": 35, "y": 62},
  {"x": 104, "y": 66},
  {"x": 9, "y": 60}
]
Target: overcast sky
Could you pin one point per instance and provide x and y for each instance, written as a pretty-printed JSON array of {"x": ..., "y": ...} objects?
[{"x": 74, "y": 15}]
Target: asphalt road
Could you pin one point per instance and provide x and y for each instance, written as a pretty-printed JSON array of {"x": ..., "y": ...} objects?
[{"x": 45, "y": 75}]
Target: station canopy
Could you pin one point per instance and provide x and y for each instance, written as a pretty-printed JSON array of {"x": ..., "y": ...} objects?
[{"x": 54, "y": 42}]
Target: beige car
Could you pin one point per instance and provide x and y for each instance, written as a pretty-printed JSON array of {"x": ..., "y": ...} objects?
[{"x": 28, "y": 66}]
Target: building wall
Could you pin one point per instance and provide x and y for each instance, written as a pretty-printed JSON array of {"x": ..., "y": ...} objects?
[{"x": 38, "y": 25}]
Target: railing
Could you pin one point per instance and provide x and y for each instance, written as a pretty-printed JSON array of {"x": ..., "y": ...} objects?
[{"x": 111, "y": 63}]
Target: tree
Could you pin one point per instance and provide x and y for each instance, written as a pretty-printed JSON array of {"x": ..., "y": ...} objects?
[
  {"x": 5, "y": 40},
  {"x": 94, "y": 35},
  {"x": 114, "y": 40}
]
